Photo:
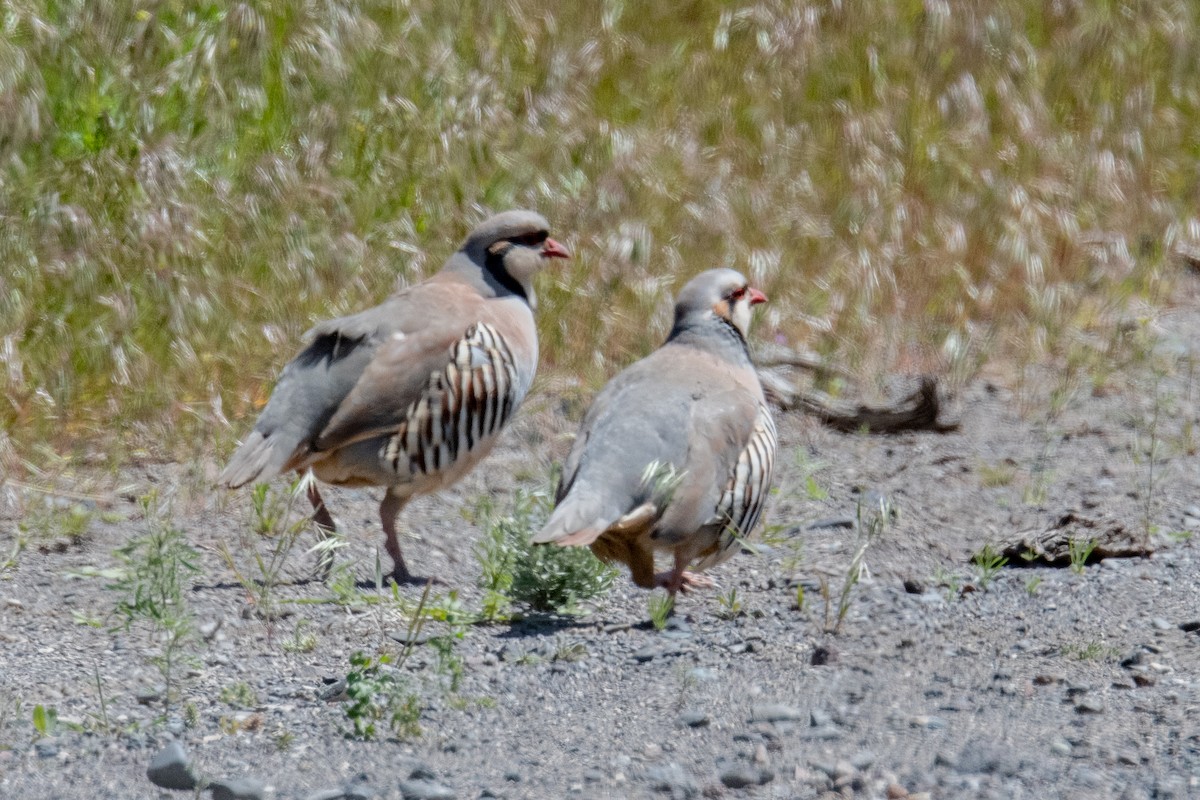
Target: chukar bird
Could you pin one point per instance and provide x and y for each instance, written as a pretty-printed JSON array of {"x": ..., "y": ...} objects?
[
  {"x": 412, "y": 393},
  {"x": 676, "y": 453}
]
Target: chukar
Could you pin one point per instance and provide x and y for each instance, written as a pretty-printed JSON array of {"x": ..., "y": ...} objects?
[
  {"x": 677, "y": 452},
  {"x": 412, "y": 393}
]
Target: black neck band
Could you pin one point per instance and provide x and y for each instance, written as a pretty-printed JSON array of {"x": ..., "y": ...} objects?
[{"x": 494, "y": 271}]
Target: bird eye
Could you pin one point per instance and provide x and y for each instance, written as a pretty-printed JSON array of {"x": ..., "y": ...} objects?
[{"x": 738, "y": 294}]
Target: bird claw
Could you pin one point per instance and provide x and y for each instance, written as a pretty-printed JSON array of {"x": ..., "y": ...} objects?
[{"x": 683, "y": 582}]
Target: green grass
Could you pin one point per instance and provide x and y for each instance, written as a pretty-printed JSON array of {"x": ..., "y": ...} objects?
[{"x": 185, "y": 188}]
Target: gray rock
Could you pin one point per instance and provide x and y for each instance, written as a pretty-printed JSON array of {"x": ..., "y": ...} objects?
[
  {"x": 739, "y": 776},
  {"x": 694, "y": 718},
  {"x": 425, "y": 790},
  {"x": 819, "y": 719},
  {"x": 1089, "y": 705},
  {"x": 46, "y": 748},
  {"x": 647, "y": 653},
  {"x": 170, "y": 769},
  {"x": 672, "y": 779},
  {"x": 775, "y": 712},
  {"x": 980, "y": 756},
  {"x": 1160, "y": 624},
  {"x": 239, "y": 789}
]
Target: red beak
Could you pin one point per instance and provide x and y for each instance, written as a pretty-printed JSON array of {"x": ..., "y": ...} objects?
[
  {"x": 552, "y": 249},
  {"x": 757, "y": 297}
]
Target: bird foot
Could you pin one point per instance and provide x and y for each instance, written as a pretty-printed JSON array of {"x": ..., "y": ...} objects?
[{"x": 683, "y": 582}]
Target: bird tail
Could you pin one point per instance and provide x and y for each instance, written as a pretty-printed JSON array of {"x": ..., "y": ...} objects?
[
  {"x": 575, "y": 522},
  {"x": 257, "y": 458}
]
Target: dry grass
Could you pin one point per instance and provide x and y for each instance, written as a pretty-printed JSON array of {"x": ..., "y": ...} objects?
[{"x": 184, "y": 187}]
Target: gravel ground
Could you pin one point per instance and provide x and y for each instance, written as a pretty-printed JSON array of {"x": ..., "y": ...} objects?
[{"x": 1039, "y": 683}]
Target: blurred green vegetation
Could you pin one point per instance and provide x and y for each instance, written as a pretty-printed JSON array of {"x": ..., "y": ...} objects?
[{"x": 186, "y": 186}]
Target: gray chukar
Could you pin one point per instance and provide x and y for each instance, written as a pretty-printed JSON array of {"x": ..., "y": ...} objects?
[
  {"x": 412, "y": 393},
  {"x": 677, "y": 452}
]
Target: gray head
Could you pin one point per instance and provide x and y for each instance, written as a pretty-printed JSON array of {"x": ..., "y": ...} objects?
[
  {"x": 512, "y": 247},
  {"x": 719, "y": 294}
]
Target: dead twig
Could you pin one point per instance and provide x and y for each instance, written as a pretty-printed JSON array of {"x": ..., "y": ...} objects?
[{"x": 919, "y": 411}]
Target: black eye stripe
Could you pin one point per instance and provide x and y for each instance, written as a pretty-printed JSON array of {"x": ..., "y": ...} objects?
[{"x": 530, "y": 239}]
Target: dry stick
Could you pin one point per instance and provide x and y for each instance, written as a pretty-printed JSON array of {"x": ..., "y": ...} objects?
[{"x": 918, "y": 411}]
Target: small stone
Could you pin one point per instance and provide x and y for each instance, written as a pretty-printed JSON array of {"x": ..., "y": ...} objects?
[
  {"x": 1192, "y": 511},
  {"x": 823, "y": 655},
  {"x": 239, "y": 789},
  {"x": 694, "y": 718},
  {"x": 775, "y": 712},
  {"x": 1190, "y": 627},
  {"x": 739, "y": 776},
  {"x": 170, "y": 769},
  {"x": 1089, "y": 705},
  {"x": 914, "y": 586},
  {"x": 413, "y": 638},
  {"x": 146, "y": 697},
  {"x": 896, "y": 792},
  {"x": 819, "y": 719},
  {"x": 928, "y": 721},
  {"x": 1061, "y": 747},
  {"x": 512, "y": 776},
  {"x": 357, "y": 793},
  {"x": 1160, "y": 624},
  {"x": 672, "y": 779},
  {"x": 1144, "y": 680},
  {"x": 46, "y": 748},
  {"x": 425, "y": 790},
  {"x": 648, "y": 653}
]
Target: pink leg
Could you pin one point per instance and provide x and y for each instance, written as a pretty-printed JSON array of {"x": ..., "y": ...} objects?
[
  {"x": 679, "y": 579},
  {"x": 389, "y": 509}
]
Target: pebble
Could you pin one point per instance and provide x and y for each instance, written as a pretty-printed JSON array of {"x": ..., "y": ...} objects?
[
  {"x": 357, "y": 793},
  {"x": 46, "y": 748},
  {"x": 1089, "y": 705},
  {"x": 170, "y": 768},
  {"x": 775, "y": 712},
  {"x": 694, "y": 718},
  {"x": 673, "y": 779},
  {"x": 1160, "y": 624},
  {"x": 239, "y": 789},
  {"x": 414, "y": 789},
  {"x": 739, "y": 776}
]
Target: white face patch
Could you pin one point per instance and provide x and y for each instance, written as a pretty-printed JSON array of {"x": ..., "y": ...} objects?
[
  {"x": 398, "y": 336},
  {"x": 741, "y": 313}
]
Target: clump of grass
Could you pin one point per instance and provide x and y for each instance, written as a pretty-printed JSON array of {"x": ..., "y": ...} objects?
[
  {"x": 187, "y": 189},
  {"x": 988, "y": 564},
  {"x": 1080, "y": 550},
  {"x": 264, "y": 546},
  {"x": 660, "y": 605},
  {"x": 547, "y": 579},
  {"x": 874, "y": 513},
  {"x": 155, "y": 568}
]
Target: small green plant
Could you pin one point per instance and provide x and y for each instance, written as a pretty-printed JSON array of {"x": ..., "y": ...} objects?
[
  {"x": 800, "y": 597},
  {"x": 874, "y": 513},
  {"x": 302, "y": 639},
  {"x": 554, "y": 579},
  {"x": 1002, "y": 473},
  {"x": 988, "y": 564},
  {"x": 45, "y": 720},
  {"x": 1033, "y": 583},
  {"x": 273, "y": 532},
  {"x": 660, "y": 605},
  {"x": 377, "y": 695},
  {"x": 155, "y": 567},
  {"x": 808, "y": 468},
  {"x": 1091, "y": 650},
  {"x": 1080, "y": 550},
  {"x": 729, "y": 605},
  {"x": 951, "y": 581},
  {"x": 238, "y": 695}
]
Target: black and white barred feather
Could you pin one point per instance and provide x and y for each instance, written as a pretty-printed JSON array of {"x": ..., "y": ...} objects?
[
  {"x": 742, "y": 502},
  {"x": 466, "y": 402}
]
